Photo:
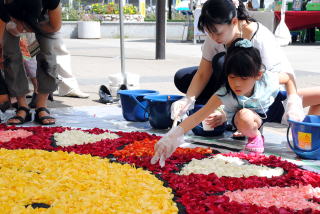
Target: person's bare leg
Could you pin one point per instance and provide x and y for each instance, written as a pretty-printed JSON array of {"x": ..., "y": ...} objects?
[
  {"x": 42, "y": 102},
  {"x": 4, "y": 98},
  {"x": 35, "y": 85},
  {"x": 22, "y": 102},
  {"x": 248, "y": 122},
  {"x": 311, "y": 97},
  {"x": 4, "y": 102}
]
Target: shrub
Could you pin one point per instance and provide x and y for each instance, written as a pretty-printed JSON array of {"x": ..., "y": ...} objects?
[{"x": 113, "y": 8}]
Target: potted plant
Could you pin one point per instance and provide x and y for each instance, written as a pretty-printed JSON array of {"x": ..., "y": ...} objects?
[{"x": 89, "y": 27}]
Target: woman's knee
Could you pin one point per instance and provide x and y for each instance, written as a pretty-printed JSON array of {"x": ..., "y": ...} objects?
[{"x": 183, "y": 78}]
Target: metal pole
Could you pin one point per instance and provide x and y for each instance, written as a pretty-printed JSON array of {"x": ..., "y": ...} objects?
[
  {"x": 121, "y": 18},
  {"x": 170, "y": 9},
  {"x": 161, "y": 29}
]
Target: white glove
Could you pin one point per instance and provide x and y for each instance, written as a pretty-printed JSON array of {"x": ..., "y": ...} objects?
[
  {"x": 167, "y": 145},
  {"x": 12, "y": 28},
  {"x": 294, "y": 108},
  {"x": 180, "y": 107}
]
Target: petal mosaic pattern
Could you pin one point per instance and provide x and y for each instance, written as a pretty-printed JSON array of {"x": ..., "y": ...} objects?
[
  {"x": 229, "y": 166},
  {"x": 7, "y": 135},
  {"x": 79, "y": 137},
  {"x": 193, "y": 193},
  {"x": 297, "y": 198},
  {"x": 72, "y": 183}
]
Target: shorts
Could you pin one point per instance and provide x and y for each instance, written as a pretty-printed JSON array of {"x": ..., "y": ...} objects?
[{"x": 275, "y": 111}]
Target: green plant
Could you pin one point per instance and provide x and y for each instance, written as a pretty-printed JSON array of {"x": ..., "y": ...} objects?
[
  {"x": 70, "y": 14},
  {"x": 112, "y": 8},
  {"x": 99, "y": 8},
  {"x": 150, "y": 17},
  {"x": 129, "y": 9},
  {"x": 176, "y": 17}
]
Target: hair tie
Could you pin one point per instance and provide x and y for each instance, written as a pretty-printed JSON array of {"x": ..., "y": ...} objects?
[
  {"x": 236, "y": 3},
  {"x": 244, "y": 43}
]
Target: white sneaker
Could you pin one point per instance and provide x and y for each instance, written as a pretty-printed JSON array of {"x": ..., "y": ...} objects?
[{"x": 76, "y": 93}]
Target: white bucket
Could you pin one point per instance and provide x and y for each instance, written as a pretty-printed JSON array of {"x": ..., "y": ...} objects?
[
  {"x": 89, "y": 30},
  {"x": 116, "y": 80}
]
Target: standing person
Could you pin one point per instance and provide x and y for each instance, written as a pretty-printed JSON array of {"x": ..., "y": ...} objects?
[
  {"x": 4, "y": 97},
  {"x": 44, "y": 18},
  {"x": 224, "y": 21},
  {"x": 251, "y": 94}
]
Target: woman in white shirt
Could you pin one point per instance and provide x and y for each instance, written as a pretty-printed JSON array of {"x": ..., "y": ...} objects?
[{"x": 224, "y": 21}]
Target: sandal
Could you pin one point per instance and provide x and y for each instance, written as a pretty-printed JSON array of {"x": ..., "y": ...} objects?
[
  {"x": 255, "y": 144},
  {"x": 22, "y": 120},
  {"x": 41, "y": 119}
]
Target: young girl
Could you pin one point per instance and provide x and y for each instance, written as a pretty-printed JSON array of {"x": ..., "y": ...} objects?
[{"x": 251, "y": 95}]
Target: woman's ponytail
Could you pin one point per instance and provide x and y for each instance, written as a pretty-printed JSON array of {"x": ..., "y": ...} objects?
[{"x": 243, "y": 14}]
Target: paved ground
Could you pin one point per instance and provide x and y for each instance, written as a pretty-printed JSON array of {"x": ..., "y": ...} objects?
[{"x": 94, "y": 60}]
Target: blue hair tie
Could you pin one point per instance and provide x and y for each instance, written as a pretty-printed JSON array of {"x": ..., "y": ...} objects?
[{"x": 244, "y": 43}]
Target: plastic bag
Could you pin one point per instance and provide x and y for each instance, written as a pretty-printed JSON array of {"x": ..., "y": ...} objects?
[{"x": 282, "y": 32}]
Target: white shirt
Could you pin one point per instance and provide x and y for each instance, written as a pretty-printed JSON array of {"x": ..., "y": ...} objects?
[{"x": 271, "y": 54}]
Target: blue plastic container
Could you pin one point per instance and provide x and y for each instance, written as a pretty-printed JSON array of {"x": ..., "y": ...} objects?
[
  {"x": 134, "y": 107},
  {"x": 159, "y": 110},
  {"x": 306, "y": 137},
  {"x": 198, "y": 130}
]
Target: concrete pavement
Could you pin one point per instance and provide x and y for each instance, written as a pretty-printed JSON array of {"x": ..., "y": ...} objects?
[{"x": 93, "y": 60}]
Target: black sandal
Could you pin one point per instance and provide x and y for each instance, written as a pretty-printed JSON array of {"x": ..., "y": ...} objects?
[
  {"x": 41, "y": 119},
  {"x": 22, "y": 120}
]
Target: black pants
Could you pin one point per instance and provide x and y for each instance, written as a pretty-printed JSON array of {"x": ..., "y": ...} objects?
[
  {"x": 3, "y": 87},
  {"x": 183, "y": 77}
]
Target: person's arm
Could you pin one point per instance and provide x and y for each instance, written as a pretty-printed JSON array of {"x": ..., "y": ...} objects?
[
  {"x": 213, "y": 103},
  {"x": 55, "y": 21},
  {"x": 165, "y": 147},
  {"x": 294, "y": 106},
  {"x": 200, "y": 79},
  {"x": 288, "y": 80}
]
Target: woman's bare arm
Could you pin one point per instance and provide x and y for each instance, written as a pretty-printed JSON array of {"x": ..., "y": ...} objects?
[
  {"x": 200, "y": 79},
  {"x": 54, "y": 23}
]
